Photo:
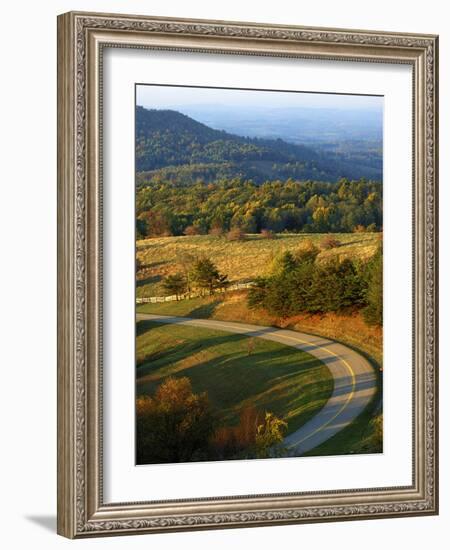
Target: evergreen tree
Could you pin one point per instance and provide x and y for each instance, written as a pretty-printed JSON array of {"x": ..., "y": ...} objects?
[
  {"x": 175, "y": 284},
  {"x": 206, "y": 276},
  {"x": 373, "y": 312}
]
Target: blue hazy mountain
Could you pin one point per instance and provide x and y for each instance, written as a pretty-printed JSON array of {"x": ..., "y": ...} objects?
[
  {"x": 293, "y": 124},
  {"x": 208, "y": 143}
]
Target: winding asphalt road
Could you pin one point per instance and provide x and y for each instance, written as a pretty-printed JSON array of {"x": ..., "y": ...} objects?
[{"x": 354, "y": 377}]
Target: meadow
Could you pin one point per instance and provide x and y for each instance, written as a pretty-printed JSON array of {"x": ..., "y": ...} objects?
[{"x": 241, "y": 260}]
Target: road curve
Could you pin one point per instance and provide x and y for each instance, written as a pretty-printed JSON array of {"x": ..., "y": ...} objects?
[{"x": 354, "y": 377}]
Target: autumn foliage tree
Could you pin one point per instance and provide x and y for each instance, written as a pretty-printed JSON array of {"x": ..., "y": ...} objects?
[
  {"x": 328, "y": 242},
  {"x": 216, "y": 231},
  {"x": 269, "y": 437},
  {"x": 153, "y": 224},
  {"x": 191, "y": 230},
  {"x": 175, "y": 425},
  {"x": 257, "y": 435},
  {"x": 236, "y": 234},
  {"x": 267, "y": 234},
  {"x": 234, "y": 441}
]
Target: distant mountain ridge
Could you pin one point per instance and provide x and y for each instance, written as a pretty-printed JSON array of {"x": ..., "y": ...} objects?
[
  {"x": 177, "y": 147},
  {"x": 154, "y": 120}
]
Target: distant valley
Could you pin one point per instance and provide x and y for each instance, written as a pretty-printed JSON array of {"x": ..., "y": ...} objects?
[{"x": 293, "y": 124}]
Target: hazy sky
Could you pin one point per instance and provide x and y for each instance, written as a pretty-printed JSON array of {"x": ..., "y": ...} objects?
[{"x": 170, "y": 97}]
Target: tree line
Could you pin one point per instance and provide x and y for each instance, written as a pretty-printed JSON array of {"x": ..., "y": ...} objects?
[
  {"x": 300, "y": 284},
  {"x": 165, "y": 208}
]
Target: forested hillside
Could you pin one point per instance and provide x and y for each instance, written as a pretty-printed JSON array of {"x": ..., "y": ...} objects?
[
  {"x": 192, "y": 179},
  {"x": 173, "y": 147}
]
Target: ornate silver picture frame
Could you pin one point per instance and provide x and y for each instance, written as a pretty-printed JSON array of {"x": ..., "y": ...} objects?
[{"x": 82, "y": 40}]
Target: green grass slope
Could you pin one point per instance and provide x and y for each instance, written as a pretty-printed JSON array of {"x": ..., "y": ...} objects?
[{"x": 273, "y": 377}]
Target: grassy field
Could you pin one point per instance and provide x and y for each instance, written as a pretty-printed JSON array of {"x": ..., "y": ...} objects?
[
  {"x": 242, "y": 261},
  {"x": 273, "y": 377}
]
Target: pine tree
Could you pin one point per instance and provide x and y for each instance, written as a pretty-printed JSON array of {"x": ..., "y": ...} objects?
[
  {"x": 373, "y": 312},
  {"x": 175, "y": 284}
]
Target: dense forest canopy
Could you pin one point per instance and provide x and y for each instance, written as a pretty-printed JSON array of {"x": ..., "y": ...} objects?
[{"x": 165, "y": 208}]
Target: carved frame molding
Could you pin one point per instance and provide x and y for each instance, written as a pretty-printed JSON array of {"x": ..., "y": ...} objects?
[{"x": 81, "y": 38}]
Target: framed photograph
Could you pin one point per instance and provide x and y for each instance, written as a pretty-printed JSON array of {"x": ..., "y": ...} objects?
[{"x": 247, "y": 287}]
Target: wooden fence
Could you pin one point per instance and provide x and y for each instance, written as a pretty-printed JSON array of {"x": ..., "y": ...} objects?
[{"x": 174, "y": 298}]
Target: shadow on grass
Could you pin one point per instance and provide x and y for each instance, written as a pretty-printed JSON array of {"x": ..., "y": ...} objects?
[
  {"x": 359, "y": 241},
  {"x": 205, "y": 311},
  {"x": 265, "y": 378},
  {"x": 148, "y": 280},
  {"x": 170, "y": 355},
  {"x": 178, "y": 352}
]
